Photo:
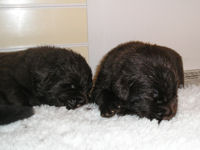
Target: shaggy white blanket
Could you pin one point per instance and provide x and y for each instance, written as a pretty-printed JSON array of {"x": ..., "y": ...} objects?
[{"x": 54, "y": 128}]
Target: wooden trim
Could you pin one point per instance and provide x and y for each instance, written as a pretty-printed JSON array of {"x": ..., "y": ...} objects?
[
  {"x": 43, "y": 6},
  {"x": 17, "y": 48}
]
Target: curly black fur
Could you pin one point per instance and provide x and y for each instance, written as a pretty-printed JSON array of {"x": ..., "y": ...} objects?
[
  {"x": 139, "y": 78},
  {"x": 41, "y": 75}
]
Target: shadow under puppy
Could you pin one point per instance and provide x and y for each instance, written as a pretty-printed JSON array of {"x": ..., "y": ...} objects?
[
  {"x": 139, "y": 78},
  {"x": 41, "y": 75}
]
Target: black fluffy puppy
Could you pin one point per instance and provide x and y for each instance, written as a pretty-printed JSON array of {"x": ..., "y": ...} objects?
[
  {"x": 138, "y": 78},
  {"x": 41, "y": 75}
]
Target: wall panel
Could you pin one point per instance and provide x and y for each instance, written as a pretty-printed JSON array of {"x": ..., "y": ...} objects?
[{"x": 30, "y": 23}]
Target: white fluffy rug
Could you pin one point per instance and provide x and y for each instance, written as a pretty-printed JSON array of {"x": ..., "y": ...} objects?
[{"x": 54, "y": 128}]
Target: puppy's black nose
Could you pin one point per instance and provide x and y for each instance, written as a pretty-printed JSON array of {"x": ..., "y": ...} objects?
[
  {"x": 170, "y": 110},
  {"x": 71, "y": 103},
  {"x": 80, "y": 103}
]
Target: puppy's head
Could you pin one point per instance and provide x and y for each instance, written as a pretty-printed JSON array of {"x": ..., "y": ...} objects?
[
  {"x": 71, "y": 91},
  {"x": 64, "y": 79},
  {"x": 153, "y": 95}
]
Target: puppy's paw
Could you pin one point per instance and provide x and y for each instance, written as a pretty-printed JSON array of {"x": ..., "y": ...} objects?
[{"x": 109, "y": 110}]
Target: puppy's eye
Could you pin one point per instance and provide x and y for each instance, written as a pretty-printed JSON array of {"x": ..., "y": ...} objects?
[
  {"x": 155, "y": 93},
  {"x": 162, "y": 101},
  {"x": 72, "y": 86},
  {"x": 68, "y": 86},
  {"x": 159, "y": 101}
]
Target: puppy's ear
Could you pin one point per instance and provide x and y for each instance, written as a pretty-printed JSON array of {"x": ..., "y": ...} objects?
[
  {"x": 40, "y": 79},
  {"x": 40, "y": 75},
  {"x": 121, "y": 88}
]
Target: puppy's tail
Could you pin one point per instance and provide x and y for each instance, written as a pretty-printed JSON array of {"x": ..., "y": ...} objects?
[{"x": 10, "y": 114}]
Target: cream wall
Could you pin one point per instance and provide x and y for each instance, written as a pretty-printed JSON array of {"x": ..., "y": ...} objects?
[
  {"x": 31, "y": 23},
  {"x": 172, "y": 23}
]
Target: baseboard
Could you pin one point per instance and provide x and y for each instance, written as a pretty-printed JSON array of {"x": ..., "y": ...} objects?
[{"x": 192, "y": 76}]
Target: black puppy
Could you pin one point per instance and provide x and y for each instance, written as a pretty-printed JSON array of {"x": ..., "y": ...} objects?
[
  {"x": 41, "y": 75},
  {"x": 138, "y": 78}
]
